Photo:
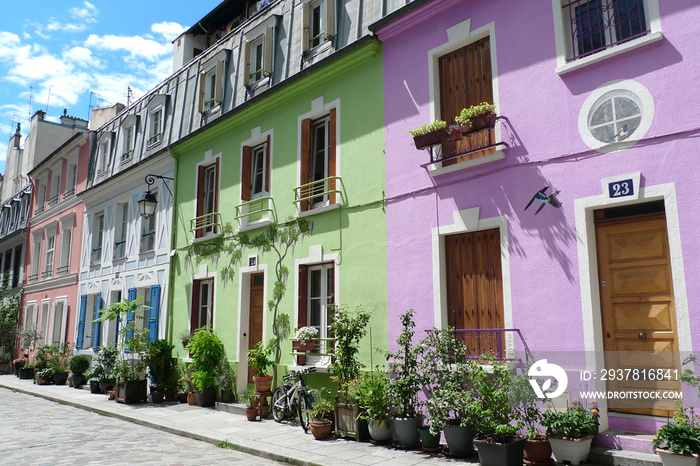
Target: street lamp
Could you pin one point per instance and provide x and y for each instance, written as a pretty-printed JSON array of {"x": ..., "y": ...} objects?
[{"x": 148, "y": 202}]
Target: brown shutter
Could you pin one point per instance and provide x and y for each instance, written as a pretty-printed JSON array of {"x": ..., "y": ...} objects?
[
  {"x": 331, "y": 154},
  {"x": 303, "y": 288},
  {"x": 245, "y": 175},
  {"x": 216, "y": 190},
  {"x": 305, "y": 160},
  {"x": 194, "y": 315},
  {"x": 465, "y": 80},
  {"x": 200, "y": 199},
  {"x": 267, "y": 166}
]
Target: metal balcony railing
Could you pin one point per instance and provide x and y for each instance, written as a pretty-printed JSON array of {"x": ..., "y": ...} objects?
[
  {"x": 53, "y": 200},
  {"x": 46, "y": 274},
  {"x": 205, "y": 224},
  {"x": 126, "y": 156},
  {"x": 248, "y": 210},
  {"x": 490, "y": 341},
  {"x": 63, "y": 269},
  {"x": 318, "y": 192},
  {"x": 152, "y": 141}
]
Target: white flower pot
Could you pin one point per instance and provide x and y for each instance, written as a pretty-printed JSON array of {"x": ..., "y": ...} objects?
[
  {"x": 674, "y": 459},
  {"x": 572, "y": 450}
]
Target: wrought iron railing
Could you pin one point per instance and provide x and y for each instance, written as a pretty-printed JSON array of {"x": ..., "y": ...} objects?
[
  {"x": 490, "y": 342},
  {"x": 46, "y": 273},
  {"x": 250, "y": 209},
  {"x": 69, "y": 193},
  {"x": 39, "y": 208},
  {"x": 34, "y": 277},
  {"x": 63, "y": 269},
  {"x": 53, "y": 200},
  {"x": 322, "y": 347},
  {"x": 148, "y": 241},
  {"x": 153, "y": 140},
  {"x": 119, "y": 249},
  {"x": 126, "y": 156},
  {"x": 204, "y": 224},
  {"x": 596, "y": 25},
  {"x": 318, "y": 192}
]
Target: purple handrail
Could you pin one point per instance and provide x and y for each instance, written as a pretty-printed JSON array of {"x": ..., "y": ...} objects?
[{"x": 481, "y": 341}]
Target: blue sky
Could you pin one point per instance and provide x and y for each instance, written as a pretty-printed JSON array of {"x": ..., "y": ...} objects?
[{"x": 57, "y": 53}]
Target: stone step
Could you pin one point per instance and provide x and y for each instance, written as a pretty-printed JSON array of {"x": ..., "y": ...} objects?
[
  {"x": 619, "y": 440},
  {"x": 609, "y": 456},
  {"x": 233, "y": 408}
]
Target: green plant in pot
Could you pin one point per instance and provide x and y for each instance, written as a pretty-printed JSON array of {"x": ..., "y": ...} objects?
[
  {"x": 372, "y": 393},
  {"x": 571, "y": 432},
  {"x": 102, "y": 372},
  {"x": 260, "y": 359},
  {"x": 79, "y": 364},
  {"x": 251, "y": 404},
  {"x": 537, "y": 448},
  {"x": 227, "y": 381},
  {"x": 476, "y": 117},
  {"x": 162, "y": 368},
  {"x": 60, "y": 362},
  {"x": 495, "y": 410},
  {"x": 42, "y": 364},
  {"x": 207, "y": 353},
  {"x": 321, "y": 414},
  {"x": 349, "y": 326},
  {"x": 430, "y": 134},
  {"x": 445, "y": 379},
  {"x": 405, "y": 382}
]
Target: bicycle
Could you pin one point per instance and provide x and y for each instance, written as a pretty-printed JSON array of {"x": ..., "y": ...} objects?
[{"x": 293, "y": 398}]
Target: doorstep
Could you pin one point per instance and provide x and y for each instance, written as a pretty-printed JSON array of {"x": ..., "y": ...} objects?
[
  {"x": 611, "y": 456},
  {"x": 620, "y": 440},
  {"x": 233, "y": 408}
]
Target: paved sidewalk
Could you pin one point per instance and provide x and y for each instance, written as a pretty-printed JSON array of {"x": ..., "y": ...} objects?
[{"x": 284, "y": 442}]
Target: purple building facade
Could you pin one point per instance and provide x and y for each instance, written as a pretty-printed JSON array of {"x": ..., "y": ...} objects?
[{"x": 595, "y": 103}]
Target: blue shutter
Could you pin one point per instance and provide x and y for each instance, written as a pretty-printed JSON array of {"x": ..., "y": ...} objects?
[
  {"x": 130, "y": 315},
  {"x": 153, "y": 313},
  {"x": 81, "y": 322},
  {"x": 96, "y": 325}
]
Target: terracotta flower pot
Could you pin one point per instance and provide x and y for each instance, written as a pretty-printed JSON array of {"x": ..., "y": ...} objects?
[
  {"x": 191, "y": 398},
  {"x": 251, "y": 413},
  {"x": 538, "y": 450},
  {"x": 263, "y": 383},
  {"x": 321, "y": 428}
]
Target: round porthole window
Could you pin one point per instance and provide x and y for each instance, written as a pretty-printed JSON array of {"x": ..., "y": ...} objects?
[{"x": 616, "y": 115}]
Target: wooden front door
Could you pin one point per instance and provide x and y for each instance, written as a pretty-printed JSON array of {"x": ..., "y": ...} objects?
[
  {"x": 475, "y": 288},
  {"x": 255, "y": 316},
  {"x": 638, "y": 310}
]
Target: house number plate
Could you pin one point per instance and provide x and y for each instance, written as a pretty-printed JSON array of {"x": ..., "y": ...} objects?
[{"x": 621, "y": 188}]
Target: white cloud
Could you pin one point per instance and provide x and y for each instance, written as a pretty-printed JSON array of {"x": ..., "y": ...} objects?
[
  {"x": 80, "y": 56},
  {"x": 87, "y": 13},
  {"x": 9, "y": 45},
  {"x": 168, "y": 30},
  {"x": 137, "y": 46},
  {"x": 55, "y": 26}
]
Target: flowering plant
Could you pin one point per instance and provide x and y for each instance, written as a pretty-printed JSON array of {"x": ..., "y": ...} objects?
[
  {"x": 575, "y": 422},
  {"x": 681, "y": 436},
  {"x": 305, "y": 334}
]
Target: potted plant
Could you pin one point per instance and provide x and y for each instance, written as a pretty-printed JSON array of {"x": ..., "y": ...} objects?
[
  {"x": 207, "y": 352},
  {"x": 430, "y": 134},
  {"x": 44, "y": 370},
  {"x": 571, "y": 432},
  {"x": 59, "y": 362},
  {"x": 79, "y": 364},
  {"x": 184, "y": 337},
  {"x": 185, "y": 384},
  {"x": 104, "y": 362},
  {"x": 131, "y": 386},
  {"x": 374, "y": 404},
  {"x": 27, "y": 372},
  {"x": 44, "y": 376},
  {"x": 321, "y": 423},
  {"x": 227, "y": 380},
  {"x": 477, "y": 117},
  {"x": 678, "y": 442},
  {"x": 349, "y": 326},
  {"x": 304, "y": 341},
  {"x": 162, "y": 367},
  {"x": 405, "y": 383},
  {"x": 537, "y": 448},
  {"x": 259, "y": 360},
  {"x": 19, "y": 363},
  {"x": 495, "y": 413},
  {"x": 251, "y": 405}
]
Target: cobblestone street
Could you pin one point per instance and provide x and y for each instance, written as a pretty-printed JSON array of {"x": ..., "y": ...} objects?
[{"x": 35, "y": 431}]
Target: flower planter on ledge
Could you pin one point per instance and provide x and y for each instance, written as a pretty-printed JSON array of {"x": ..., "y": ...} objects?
[
  {"x": 479, "y": 123},
  {"x": 430, "y": 139},
  {"x": 674, "y": 459}
]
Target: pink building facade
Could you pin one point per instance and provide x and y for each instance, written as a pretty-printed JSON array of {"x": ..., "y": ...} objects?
[
  {"x": 603, "y": 120},
  {"x": 52, "y": 261}
]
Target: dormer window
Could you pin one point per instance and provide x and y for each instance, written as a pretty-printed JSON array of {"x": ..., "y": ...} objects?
[
  {"x": 104, "y": 147},
  {"x": 259, "y": 53},
  {"x": 318, "y": 23},
  {"x": 211, "y": 84},
  {"x": 156, "y": 120}
]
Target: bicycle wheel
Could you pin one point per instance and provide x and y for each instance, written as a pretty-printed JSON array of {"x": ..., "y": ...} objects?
[
  {"x": 305, "y": 401},
  {"x": 279, "y": 404}
]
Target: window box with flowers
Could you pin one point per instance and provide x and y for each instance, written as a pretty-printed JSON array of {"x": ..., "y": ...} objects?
[
  {"x": 304, "y": 340},
  {"x": 477, "y": 117},
  {"x": 430, "y": 134}
]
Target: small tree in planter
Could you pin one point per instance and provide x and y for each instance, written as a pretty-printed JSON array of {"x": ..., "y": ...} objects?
[
  {"x": 133, "y": 341},
  {"x": 207, "y": 352},
  {"x": 349, "y": 326},
  {"x": 227, "y": 381},
  {"x": 59, "y": 364},
  {"x": 79, "y": 364},
  {"x": 162, "y": 368},
  {"x": 103, "y": 365},
  {"x": 405, "y": 383}
]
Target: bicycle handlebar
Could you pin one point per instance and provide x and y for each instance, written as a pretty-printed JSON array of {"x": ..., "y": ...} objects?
[{"x": 293, "y": 375}]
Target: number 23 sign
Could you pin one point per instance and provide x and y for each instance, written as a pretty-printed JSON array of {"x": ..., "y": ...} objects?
[{"x": 621, "y": 188}]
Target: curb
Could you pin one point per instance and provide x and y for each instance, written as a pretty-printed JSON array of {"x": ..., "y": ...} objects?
[{"x": 170, "y": 430}]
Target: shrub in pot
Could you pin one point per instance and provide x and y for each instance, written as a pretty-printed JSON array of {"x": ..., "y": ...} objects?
[
  {"x": 103, "y": 364},
  {"x": 537, "y": 449},
  {"x": 405, "y": 382},
  {"x": 571, "y": 432},
  {"x": 207, "y": 352},
  {"x": 304, "y": 340},
  {"x": 79, "y": 364},
  {"x": 251, "y": 404},
  {"x": 259, "y": 359},
  {"x": 321, "y": 412},
  {"x": 678, "y": 442},
  {"x": 372, "y": 393},
  {"x": 60, "y": 362},
  {"x": 349, "y": 327},
  {"x": 227, "y": 380},
  {"x": 162, "y": 367}
]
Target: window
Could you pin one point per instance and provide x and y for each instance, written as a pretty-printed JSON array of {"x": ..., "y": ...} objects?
[
  {"x": 98, "y": 228},
  {"x": 48, "y": 257},
  {"x": 155, "y": 127},
  {"x": 211, "y": 89},
  {"x": 36, "y": 257},
  {"x": 41, "y": 198},
  {"x": 88, "y": 330},
  {"x": 148, "y": 230},
  {"x": 120, "y": 233},
  {"x": 30, "y": 317},
  {"x": 17, "y": 266},
  {"x": 316, "y": 298},
  {"x": 55, "y": 189},
  {"x": 128, "y": 150},
  {"x": 596, "y": 25},
  {"x": 318, "y": 23},
  {"x": 258, "y": 57},
  {"x": 103, "y": 157},
  {"x": 256, "y": 171},
  {"x": 202, "y": 304},
  {"x": 207, "y": 199},
  {"x": 66, "y": 243},
  {"x": 318, "y": 162},
  {"x": 58, "y": 330},
  {"x": 44, "y": 323},
  {"x": 71, "y": 180},
  {"x": 465, "y": 80}
]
